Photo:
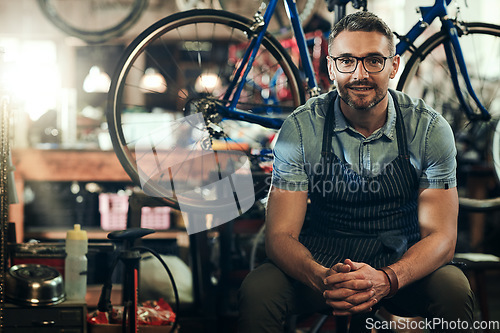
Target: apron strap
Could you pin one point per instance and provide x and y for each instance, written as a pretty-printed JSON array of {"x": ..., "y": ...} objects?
[
  {"x": 326, "y": 148},
  {"x": 400, "y": 129}
]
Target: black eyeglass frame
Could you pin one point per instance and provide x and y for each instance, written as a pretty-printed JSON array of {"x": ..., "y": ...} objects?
[{"x": 358, "y": 60}]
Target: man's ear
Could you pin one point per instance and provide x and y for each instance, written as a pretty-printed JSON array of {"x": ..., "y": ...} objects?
[
  {"x": 395, "y": 66},
  {"x": 331, "y": 69}
]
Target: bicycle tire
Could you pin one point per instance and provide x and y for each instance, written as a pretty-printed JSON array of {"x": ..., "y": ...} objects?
[
  {"x": 182, "y": 65},
  {"x": 426, "y": 75},
  {"x": 495, "y": 148},
  {"x": 96, "y": 35}
]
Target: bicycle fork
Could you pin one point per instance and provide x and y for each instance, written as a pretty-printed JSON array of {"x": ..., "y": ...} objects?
[
  {"x": 298, "y": 32},
  {"x": 453, "y": 51}
]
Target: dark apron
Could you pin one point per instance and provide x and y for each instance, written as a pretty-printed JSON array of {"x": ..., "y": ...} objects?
[{"x": 366, "y": 219}]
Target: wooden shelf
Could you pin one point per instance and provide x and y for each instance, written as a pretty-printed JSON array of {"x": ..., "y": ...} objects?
[
  {"x": 67, "y": 165},
  {"x": 96, "y": 234},
  {"x": 61, "y": 165}
]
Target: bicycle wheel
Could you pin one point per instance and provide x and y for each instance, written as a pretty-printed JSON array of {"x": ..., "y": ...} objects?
[
  {"x": 197, "y": 52},
  {"x": 94, "y": 21},
  {"x": 496, "y": 149},
  {"x": 426, "y": 75}
]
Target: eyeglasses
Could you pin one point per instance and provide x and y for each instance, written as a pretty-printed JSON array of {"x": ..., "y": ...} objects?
[{"x": 371, "y": 64}]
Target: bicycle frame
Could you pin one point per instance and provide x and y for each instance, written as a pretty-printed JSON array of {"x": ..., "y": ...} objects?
[
  {"x": 260, "y": 29},
  {"x": 452, "y": 51},
  {"x": 429, "y": 14}
]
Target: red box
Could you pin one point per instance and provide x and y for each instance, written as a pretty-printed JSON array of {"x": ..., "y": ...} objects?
[{"x": 50, "y": 254}]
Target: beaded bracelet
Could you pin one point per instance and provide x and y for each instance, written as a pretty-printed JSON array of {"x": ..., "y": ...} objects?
[{"x": 393, "y": 280}]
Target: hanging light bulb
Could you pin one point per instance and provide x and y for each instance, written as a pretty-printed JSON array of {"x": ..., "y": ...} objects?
[
  {"x": 152, "y": 81},
  {"x": 207, "y": 82},
  {"x": 96, "y": 81}
]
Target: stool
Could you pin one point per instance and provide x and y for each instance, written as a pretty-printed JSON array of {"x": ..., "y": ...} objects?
[
  {"x": 343, "y": 324},
  {"x": 478, "y": 264}
]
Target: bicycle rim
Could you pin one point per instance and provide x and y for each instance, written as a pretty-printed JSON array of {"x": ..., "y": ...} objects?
[
  {"x": 427, "y": 76},
  {"x": 197, "y": 52},
  {"x": 93, "y": 21},
  {"x": 496, "y": 149}
]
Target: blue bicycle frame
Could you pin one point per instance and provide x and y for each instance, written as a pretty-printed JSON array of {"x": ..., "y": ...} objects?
[
  {"x": 429, "y": 14},
  {"x": 452, "y": 51},
  {"x": 239, "y": 79}
]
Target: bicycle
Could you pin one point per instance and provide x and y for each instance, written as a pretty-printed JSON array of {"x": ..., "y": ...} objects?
[{"x": 237, "y": 75}]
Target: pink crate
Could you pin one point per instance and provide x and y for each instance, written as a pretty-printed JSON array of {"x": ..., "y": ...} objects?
[
  {"x": 113, "y": 208},
  {"x": 155, "y": 217}
]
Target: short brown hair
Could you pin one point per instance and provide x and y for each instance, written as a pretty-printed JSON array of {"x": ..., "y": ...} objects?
[{"x": 362, "y": 21}]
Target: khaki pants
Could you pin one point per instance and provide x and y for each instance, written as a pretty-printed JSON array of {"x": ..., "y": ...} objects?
[{"x": 268, "y": 296}]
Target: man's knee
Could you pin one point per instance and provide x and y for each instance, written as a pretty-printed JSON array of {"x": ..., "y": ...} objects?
[
  {"x": 266, "y": 293},
  {"x": 266, "y": 284},
  {"x": 451, "y": 295}
]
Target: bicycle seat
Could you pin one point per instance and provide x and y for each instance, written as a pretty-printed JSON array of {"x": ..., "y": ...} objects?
[{"x": 130, "y": 234}]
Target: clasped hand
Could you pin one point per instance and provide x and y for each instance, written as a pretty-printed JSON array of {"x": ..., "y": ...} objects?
[{"x": 352, "y": 287}]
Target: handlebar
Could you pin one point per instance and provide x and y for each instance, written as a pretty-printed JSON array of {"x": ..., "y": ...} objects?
[{"x": 479, "y": 205}]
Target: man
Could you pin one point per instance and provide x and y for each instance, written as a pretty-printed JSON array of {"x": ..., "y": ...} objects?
[{"x": 378, "y": 168}]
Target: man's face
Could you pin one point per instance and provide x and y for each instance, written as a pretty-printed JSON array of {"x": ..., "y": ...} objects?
[{"x": 362, "y": 90}]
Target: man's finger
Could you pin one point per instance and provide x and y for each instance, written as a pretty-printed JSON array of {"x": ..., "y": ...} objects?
[
  {"x": 361, "y": 297},
  {"x": 346, "y": 310},
  {"x": 349, "y": 296},
  {"x": 353, "y": 284},
  {"x": 339, "y": 306},
  {"x": 338, "y": 277},
  {"x": 338, "y": 294},
  {"x": 340, "y": 268},
  {"x": 353, "y": 265}
]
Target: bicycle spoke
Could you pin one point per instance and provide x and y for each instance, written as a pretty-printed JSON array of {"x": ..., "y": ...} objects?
[{"x": 148, "y": 127}]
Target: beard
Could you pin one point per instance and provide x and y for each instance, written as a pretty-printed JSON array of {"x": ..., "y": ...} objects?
[{"x": 361, "y": 103}]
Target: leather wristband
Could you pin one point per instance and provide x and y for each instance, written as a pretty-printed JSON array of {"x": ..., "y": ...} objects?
[{"x": 393, "y": 280}]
